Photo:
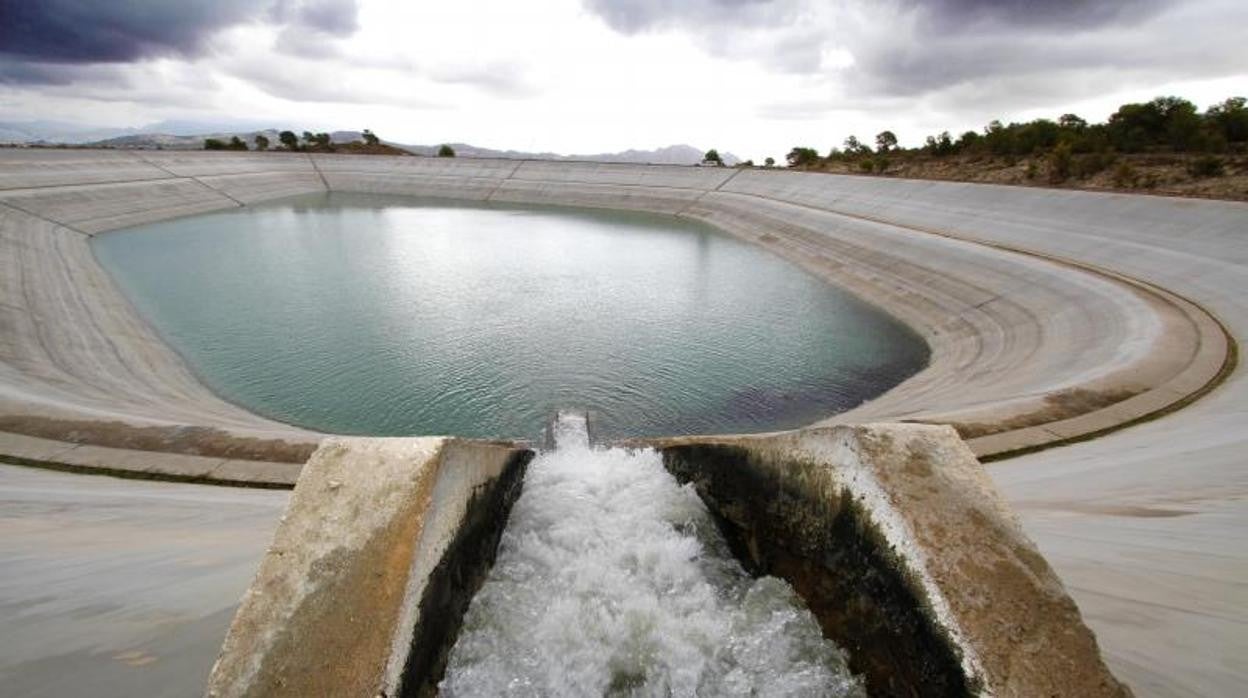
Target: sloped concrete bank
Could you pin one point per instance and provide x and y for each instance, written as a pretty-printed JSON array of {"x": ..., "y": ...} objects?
[
  {"x": 1144, "y": 524},
  {"x": 892, "y": 534},
  {"x": 1027, "y": 349}
]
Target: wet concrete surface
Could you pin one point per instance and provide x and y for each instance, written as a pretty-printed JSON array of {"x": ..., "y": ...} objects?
[{"x": 114, "y": 587}]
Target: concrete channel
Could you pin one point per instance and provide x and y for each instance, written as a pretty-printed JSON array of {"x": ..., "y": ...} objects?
[{"x": 1053, "y": 317}]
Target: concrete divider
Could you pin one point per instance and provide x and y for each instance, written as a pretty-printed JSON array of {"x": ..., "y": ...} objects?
[
  {"x": 905, "y": 552},
  {"x": 371, "y": 569}
]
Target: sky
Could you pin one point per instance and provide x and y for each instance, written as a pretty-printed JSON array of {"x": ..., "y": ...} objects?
[{"x": 753, "y": 77}]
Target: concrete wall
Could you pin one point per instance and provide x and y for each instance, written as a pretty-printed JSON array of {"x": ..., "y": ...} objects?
[
  {"x": 905, "y": 552},
  {"x": 371, "y": 569},
  {"x": 893, "y": 534}
]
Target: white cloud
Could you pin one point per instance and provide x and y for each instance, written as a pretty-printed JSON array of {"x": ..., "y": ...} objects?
[{"x": 754, "y": 77}]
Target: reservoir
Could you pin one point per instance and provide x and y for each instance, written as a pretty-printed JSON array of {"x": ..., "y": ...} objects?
[{"x": 381, "y": 315}]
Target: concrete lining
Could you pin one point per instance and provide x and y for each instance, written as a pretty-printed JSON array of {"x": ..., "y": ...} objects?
[
  {"x": 1026, "y": 349},
  {"x": 1100, "y": 271}
]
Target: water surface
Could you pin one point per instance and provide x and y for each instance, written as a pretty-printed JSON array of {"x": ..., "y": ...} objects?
[{"x": 363, "y": 314}]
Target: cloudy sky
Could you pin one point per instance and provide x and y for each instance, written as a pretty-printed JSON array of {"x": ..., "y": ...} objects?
[{"x": 754, "y": 77}]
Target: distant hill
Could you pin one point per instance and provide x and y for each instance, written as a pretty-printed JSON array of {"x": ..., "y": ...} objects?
[{"x": 190, "y": 135}]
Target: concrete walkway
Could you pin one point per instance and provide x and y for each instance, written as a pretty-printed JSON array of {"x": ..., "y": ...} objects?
[{"x": 119, "y": 588}]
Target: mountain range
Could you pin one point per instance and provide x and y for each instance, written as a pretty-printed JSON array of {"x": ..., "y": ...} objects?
[{"x": 190, "y": 135}]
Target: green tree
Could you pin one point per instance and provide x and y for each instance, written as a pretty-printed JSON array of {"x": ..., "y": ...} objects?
[
  {"x": 940, "y": 145},
  {"x": 1230, "y": 118},
  {"x": 321, "y": 140},
  {"x": 1072, "y": 122},
  {"x": 853, "y": 146},
  {"x": 237, "y": 143},
  {"x": 214, "y": 144},
  {"x": 370, "y": 138},
  {"x": 446, "y": 151},
  {"x": 289, "y": 139},
  {"x": 262, "y": 141},
  {"x": 802, "y": 157},
  {"x": 885, "y": 141},
  {"x": 712, "y": 155},
  {"x": 769, "y": 162}
]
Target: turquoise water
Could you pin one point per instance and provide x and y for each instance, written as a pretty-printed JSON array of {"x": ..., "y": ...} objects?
[{"x": 377, "y": 315}]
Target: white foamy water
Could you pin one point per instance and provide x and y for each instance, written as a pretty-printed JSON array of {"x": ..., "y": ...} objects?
[{"x": 612, "y": 579}]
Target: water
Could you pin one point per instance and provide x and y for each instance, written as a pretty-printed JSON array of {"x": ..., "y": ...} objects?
[
  {"x": 392, "y": 316},
  {"x": 611, "y": 579}
]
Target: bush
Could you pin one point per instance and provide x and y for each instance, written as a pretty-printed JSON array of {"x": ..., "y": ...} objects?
[
  {"x": 802, "y": 157},
  {"x": 214, "y": 144},
  {"x": 1207, "y": 166},
  {"x": 1125, "y": 176},
  {"x": 1033, "y": 170},
  {"x": 1093, "y": 163},
  {"x": 1060, "y": 161},
  {"x": 446, "y": 151},
  {"x": 866, "y": 165}
]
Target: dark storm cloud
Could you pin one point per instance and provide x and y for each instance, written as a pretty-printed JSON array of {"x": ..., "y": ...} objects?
[
  {"x": 632, "y": 16},
  {"x": 335, "y": 17},
  {"x": 971, "y": 14},
  {"x": 123, "y": 31}
]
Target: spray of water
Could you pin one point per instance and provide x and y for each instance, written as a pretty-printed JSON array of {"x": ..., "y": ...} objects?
[{"x": 612, "y": 579}]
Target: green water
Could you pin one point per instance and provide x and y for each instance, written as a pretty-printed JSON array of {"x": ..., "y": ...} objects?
[{"x": 390, "y": 316}]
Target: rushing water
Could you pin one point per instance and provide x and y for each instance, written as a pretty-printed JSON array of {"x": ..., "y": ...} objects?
[
  {"x": 391, "y": 316},
  {"x": 611, "y": 579}
]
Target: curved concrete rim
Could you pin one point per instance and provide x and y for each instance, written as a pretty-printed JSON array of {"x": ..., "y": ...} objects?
[{"x": 52, "y": 201}]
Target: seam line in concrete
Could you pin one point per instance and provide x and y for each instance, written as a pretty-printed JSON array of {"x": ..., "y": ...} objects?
[
  {"x": 45, "y": 219},
  {"x": 175, "y": 175},
  {"x": 504, "y": 180},
  {"x": 316, "y": 168}
]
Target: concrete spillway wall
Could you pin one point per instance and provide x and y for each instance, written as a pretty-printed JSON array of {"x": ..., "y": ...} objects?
[
  {"x": 1027, "y": 349},
  {"x": 892, "y": 534}
]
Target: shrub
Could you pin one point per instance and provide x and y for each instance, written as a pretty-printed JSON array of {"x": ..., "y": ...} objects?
[
  {"x": 446, "y": 151},
  {"x": 214, "y": 144},
  {"x": 866, "y": 165},
  {"x": 802, "y": 157},
  {"x": 1060, "y": 161},
  {"x": 1207, "y": 166},
  {"x": 1033, "y": 170},
  {"x": 1125, "y": 176},
  {"x": 1092, "y": 163},
  {"x": 262, "y": 142}
]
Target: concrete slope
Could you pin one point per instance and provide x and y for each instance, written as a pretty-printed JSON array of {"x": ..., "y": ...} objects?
[{"x": 1051, "y": 315}]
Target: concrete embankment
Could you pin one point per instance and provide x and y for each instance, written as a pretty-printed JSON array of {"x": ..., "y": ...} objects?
[
  {"x": 1109, "y": 317},
  {"x": 1026, "y": 350}
]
